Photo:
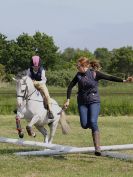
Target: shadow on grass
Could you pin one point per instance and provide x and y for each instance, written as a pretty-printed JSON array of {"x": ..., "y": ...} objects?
[{"x": 89, "y": 158}]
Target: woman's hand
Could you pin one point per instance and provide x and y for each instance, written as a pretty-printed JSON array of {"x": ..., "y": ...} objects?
[
  {"x": 130, "y": 79},
  {"x": 66, "y": 104}
]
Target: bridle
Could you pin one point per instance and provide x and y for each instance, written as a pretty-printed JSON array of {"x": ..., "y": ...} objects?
[
  {"x": 25, "y": 96},
  {"x": 25, "y": 91}
]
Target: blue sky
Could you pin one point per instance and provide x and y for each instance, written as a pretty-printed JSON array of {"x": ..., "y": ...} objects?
[{"x": 72, "y": 23}]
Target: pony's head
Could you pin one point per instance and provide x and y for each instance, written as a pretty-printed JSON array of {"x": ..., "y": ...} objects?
[
  {"x": 21, "y": 89},
  {"x": 24, "y": 88}
]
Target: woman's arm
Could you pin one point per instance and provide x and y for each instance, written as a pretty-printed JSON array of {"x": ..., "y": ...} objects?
[
  {"x": 100, "y": 76},
  {"x": 71, "y": 85},
  {"x": 69, "y": 91}
]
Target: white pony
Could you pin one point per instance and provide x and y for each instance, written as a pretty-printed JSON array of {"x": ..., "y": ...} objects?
[{"x": 31, "y": 107}]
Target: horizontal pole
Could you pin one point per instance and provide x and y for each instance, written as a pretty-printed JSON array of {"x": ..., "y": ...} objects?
[
  {"x": 63, "y": 148},
  {"x": 33, "y": 143},
  {"x": 48, "y": 152}
]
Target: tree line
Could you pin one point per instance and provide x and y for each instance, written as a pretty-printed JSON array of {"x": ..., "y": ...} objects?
[{"x": 60, "y": 67}]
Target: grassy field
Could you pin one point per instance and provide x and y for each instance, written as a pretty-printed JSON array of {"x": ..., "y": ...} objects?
[
  {"x": 114, "y": 130},
  {"x": 115, "y": 99}
]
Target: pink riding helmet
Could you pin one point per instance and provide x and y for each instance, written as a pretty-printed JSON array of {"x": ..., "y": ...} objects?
[{"x": 35, "y": 61}]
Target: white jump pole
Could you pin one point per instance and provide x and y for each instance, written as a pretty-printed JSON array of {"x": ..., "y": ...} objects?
[
  {"x": 33, "y": 143},
  {"x": 60, "y": 149},
  {"x": 48, "y": 152}
]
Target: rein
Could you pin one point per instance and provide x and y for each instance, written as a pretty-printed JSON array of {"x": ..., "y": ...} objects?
[{"x": 26, "y": 97}]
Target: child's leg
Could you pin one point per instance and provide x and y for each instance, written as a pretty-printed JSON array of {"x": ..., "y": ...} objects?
[
  {"x": 44, "y": 91},
  {"x": 45, "y": 94}
]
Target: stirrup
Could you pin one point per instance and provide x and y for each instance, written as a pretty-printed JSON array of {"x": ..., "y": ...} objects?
[{"x": 50, "y": 115}]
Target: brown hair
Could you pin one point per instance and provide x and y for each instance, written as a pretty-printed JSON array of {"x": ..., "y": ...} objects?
[
  {"x": 95, "y": 64},
  {"x": 83, "y": 61}
]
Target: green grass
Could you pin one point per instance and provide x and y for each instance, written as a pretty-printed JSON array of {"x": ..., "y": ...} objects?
[
  {"x": 116, "y": 99},
  {"x": 114, "y": 130}
]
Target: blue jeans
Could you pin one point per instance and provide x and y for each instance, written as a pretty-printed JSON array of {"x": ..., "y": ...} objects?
[{"x": 89, "y": 116}]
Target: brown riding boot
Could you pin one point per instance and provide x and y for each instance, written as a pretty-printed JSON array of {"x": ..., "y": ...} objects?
[
  {"x": 50, "y": 114},
  {"x": 96, "y": 141},
  {"x": 49, "y": 108}
]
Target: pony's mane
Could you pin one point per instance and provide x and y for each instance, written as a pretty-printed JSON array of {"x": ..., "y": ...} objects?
[
  {"x": 21, "y": 74},
  {"x": 29, "y": 80}
]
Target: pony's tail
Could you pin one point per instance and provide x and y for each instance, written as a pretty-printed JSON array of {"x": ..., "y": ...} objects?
[{"x": 64, "y": 125}]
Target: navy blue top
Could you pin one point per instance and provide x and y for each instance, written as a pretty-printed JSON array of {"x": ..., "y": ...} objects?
[{"x": 88, "y": 85}]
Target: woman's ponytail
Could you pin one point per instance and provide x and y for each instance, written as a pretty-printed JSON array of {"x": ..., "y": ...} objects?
[{"x": 95, "y": 64}]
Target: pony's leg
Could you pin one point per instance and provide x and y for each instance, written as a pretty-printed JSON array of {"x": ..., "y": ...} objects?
[
  {"x": 43, "y": 131},
  {"x": 18, "y": 127},
  {"x": 19, "y": 115},
  {"x": 53, "y": 127},
  {"x": 33, "y": 121}
]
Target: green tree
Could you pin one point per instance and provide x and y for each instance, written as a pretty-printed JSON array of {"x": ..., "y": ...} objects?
[
  {"x": 46, "y": 49},
  {"x": 122, "y": 61},
  {"x": 104, "y": 56},
  {"x": 59, "y": 77},
  {"x": 8, "y": 57},
  {"x": 69, "y": 57},
  {"x": 69, "y": 54},
  {"x": 25, "y": 50},
  {"x": 84, "y": 53},
  {"x": 3, "y": 43},
  {"x": 2, "y": 71},
  {"x": 17, "y": 54}
]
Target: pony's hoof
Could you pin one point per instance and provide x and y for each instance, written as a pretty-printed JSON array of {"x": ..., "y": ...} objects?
[
  {"x": 21, "y": 134},
  {"x": 50, "y": 115},
  {"x": 29, "y": 131},
  {"x": 34, "y": 134},
  {"x": 46, "y": 140}
]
